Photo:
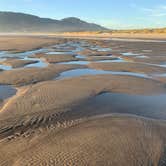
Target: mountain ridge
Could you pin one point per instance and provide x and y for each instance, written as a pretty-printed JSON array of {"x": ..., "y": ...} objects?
[{"x": 21, "y": 22}]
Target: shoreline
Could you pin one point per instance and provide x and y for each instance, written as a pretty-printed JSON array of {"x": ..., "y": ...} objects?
[{"x": 94, "y": 35}]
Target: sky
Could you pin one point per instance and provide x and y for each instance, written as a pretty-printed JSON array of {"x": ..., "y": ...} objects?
[{"x": 114, "y": 14}]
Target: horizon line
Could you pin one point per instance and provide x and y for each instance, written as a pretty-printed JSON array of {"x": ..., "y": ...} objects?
[{"x": 83, "y": 19}]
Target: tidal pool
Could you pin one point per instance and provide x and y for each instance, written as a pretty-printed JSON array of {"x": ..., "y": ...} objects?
[
  {"x": 39, "y": 64},
  {"x": 74, "y": 63},
  {"x": 113, "y": 60},
  {"x": 129, "y": 54},
  {"x": 21, "y": 54},
  {"x": 105, "y": 103},
  {"x": 57, "y": 52},
  {"x": 80, "y": 56},
  {"x": 6, "y": 91},
  {"x": 142, "y": 56},
  {"x": 83, "y": 72},
  {"x": 4, "y": 67}
]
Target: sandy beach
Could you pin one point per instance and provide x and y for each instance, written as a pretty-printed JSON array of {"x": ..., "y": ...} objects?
[{"x": 82, "y": 100}]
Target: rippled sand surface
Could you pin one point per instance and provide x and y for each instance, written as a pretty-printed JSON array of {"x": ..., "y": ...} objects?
[{"x": 82, "y": 102}]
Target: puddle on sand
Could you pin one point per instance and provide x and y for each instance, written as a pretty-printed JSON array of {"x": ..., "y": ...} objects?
[
  {"x": 80, "y": 72},
  {"x": 129, "y": 54},
  {"x": 2, "y": 59},
  {"x": 84, "y": 72},
  {"x": 4, "y": 67},
  {"x": 21, "y": 54},
  {"x": 105, "y": 103},
  {"x": 39, "y": 64},
  {"x": 113, "y": 60},
  {"x": 80, "y": 56},
  {"x": 57, "y": 53},
  {"x": 163, "y": 65},
  {"x": 75, "y": 63},
  {"x": 6, "y": 91},
  {"x": 98, "y": 48},
  {"x": 142, "y": 56}
]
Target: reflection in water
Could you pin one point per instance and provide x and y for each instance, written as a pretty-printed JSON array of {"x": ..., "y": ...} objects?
[
  {"x": 4, "y": 67},
  {"x": 57, "y": 52},
  {"x": 147, "y": 106},
  {"x": 129, "y": 54},
  {"x": 113, "y": 60},
  {"x": 98, "y": 48},
  {"x": 142, "y": 56},
  {"x": 74, "y": 63},
  {"x": 6, "y": 91},
  {"x": 80, "y": 56},
  {"x": 40, "y": 63},
  {"x": 22, "y": 54},
  {"x": 82, "y": 72}
]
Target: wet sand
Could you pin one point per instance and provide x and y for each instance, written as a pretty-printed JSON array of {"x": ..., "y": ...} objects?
[
  {"x": 82, "y": 102},
  {"x": 51, "y": 58},
  {"x": 95, "y": 141},
  {"x": 15, "y": 63},
  {"x": 129, "y": 67}
]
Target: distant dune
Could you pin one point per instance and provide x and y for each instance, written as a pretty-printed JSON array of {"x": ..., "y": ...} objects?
[{"x": 136, "y": 34}]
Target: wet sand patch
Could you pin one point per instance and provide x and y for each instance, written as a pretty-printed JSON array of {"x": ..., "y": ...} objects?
[
  {"x": 56, "y": 58},
  {"x": 148, "y": 59},
  {"x": 16, "y": 63},
  {"x": 89, "y": 52},
  {"x": 27, "y": 43},
  {"x": 97, "y": 58}
]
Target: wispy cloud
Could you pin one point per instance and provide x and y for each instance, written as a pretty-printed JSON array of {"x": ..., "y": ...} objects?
[{"x": 158, "y": 11}]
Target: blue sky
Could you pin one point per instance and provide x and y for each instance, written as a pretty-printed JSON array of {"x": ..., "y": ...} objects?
[{"x": 117, "y": 14}]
